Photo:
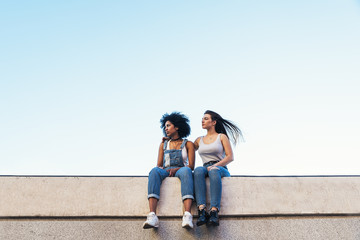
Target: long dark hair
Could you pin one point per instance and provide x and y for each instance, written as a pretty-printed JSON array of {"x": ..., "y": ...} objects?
[
  {"x": 179, "y": 120},
  {"x": 226, "y": 127}
]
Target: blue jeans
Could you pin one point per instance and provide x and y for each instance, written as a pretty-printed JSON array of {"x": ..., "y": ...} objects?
[
  {"x": 157, "y": 175},
  {"x": 215, "y": 175}
]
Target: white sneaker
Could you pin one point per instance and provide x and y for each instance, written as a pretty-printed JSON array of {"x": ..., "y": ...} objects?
[
  {"x": 187, "y": 220},
  {"x": 152, "y": 221}
]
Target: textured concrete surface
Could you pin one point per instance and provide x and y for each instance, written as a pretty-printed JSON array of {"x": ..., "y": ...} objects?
[
  {"x": 269, "y": 228},
  {"x": 251, "y": 209},
  {"x": 126, "y": 196}
]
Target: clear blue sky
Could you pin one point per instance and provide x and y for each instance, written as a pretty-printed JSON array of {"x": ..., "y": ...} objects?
[{"x": 83, "y": 84}]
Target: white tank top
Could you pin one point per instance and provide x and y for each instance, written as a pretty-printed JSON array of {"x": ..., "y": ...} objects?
[{"x": 211, "y": 152}]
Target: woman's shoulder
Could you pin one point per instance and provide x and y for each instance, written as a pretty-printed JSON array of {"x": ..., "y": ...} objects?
[
  {"x": 223, "y": 137},
  {"x": 189, "y": 145}
]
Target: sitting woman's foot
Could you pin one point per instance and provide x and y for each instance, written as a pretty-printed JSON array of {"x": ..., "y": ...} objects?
[
  {"x": 187, "y": 220},
  {"x": 214, "y": 218},
  {"x": 152, "y": 221},
  {"x": 203, "y": 217}
]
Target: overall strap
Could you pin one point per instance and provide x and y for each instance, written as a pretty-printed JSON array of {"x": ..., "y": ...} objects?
[
  {"x": 183, "y": 144},
  {"x": 165, "y": 144}
]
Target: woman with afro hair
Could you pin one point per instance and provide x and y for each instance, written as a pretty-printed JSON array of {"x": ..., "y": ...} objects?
[{"x": 176, "y": 158}]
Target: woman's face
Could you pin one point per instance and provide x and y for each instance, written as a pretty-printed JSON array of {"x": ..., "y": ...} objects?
[
  {"x": 170, "y": 129},
  {"x": 207, "y": 122}
]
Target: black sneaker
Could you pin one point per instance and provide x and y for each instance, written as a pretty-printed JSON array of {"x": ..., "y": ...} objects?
[
  {"x": 203, "y": 217},
  {"x": 214, "y": 218}
]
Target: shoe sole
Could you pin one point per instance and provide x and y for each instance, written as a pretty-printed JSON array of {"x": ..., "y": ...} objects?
[
  {"x": 187, "y": 226},
  {"x": 200, "y": 223},
  {"x": 147, "y": 226},
  {"x": 213, "y": 224}
]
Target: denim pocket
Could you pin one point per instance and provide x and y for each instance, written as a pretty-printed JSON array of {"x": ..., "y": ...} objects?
[{"x": 173, "y": 158}]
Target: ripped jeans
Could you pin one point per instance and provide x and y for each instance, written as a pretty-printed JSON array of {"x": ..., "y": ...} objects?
[{"x": 215, "y": 175}]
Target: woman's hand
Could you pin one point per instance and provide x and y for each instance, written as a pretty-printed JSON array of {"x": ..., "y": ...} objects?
[
  {"x": 172, "y": 171},
  {"x": 211, "y": 167}
]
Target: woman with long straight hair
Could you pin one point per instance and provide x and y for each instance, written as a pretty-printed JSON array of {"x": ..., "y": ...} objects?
[{"x": 216, "y": 153}]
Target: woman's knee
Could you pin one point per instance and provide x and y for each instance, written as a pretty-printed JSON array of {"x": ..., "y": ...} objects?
[
  {"x": 155, "y": 171},
  {"x": 185, "y": 172},
  {"x": 214, "y": 172},
  {"x": 199, "y": 171}
]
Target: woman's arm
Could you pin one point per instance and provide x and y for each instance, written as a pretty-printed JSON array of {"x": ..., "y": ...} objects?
[
  {"x": 160, "y": 156},
  {"x": 196, "y": 144},
  {"x": 229, "y": 157},
  {"x": 191, "y": 154}
]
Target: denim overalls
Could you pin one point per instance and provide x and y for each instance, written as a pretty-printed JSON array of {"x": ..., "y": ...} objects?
[{"x": 172, "y": 159}]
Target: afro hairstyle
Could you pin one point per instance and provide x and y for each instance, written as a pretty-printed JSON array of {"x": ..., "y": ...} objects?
[{"x": 179, "y": 120}]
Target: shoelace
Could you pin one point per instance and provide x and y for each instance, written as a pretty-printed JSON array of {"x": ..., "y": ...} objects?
[{"x": 187, "y": 217}]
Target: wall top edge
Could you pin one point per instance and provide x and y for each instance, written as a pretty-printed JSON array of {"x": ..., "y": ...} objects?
[{"x": 145, "y": 176}]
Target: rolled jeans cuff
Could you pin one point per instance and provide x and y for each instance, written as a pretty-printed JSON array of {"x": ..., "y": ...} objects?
[
  {"x": 153, "y": 195},
  {"x": 187, "y": 197},
  {"x": 218, "y": 208}
]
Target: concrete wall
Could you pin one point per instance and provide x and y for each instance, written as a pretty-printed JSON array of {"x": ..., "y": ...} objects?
[
  {"x": 115, "y": 208},
  {"x": 256, "y": 228},
  {"x": 126, "y": 196}
]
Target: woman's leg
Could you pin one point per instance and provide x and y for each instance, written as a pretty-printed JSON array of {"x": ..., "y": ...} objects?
[
  {"x": 200, "y": 173},
  {"x": 215, "y": 176},
  {"x": 187, "y": 193},
  {"x": 187, "y": 186},
  {"x": 156, "y": 176}
]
